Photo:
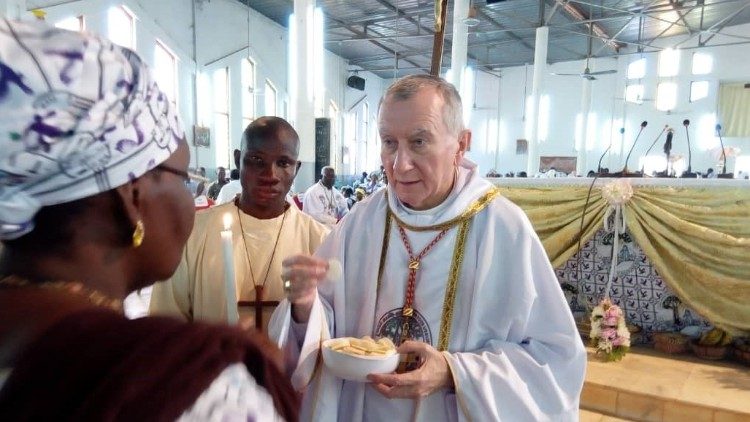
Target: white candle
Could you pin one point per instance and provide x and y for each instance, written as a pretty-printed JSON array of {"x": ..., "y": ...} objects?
[{"x": 229, "y": 286}]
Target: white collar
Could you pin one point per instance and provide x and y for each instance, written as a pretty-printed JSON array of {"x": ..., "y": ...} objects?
[{"x": 468, "y": 187}]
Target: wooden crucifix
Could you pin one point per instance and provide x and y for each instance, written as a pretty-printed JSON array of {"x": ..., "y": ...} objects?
[{"x": 258, "y": 304}]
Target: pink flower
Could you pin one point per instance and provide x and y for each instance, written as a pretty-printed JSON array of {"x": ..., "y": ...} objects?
[
  {"x": 609, "y": 333},
  {"x": 611, "y": 321},
  {"x": 618, "y": 341},
  {"x": 613, "y": 312}
]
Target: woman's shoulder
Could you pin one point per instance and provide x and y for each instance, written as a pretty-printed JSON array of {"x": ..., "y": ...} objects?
[{"x": 233, "y": 395}]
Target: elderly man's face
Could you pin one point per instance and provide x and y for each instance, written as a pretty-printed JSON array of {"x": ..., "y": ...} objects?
[
  {"x": 418, "y": 151},
  {"x": 328, "y": 178}
]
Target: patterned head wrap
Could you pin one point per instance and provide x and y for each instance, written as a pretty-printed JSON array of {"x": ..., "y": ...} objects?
[{"x": 78, "y": 116}]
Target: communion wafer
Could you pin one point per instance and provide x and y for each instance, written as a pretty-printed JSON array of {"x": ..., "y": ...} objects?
[
  {"x": 334, "y": 270},
  {"x": 365, "y": 346}
]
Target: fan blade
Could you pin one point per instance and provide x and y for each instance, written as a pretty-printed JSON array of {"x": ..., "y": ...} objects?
[
  {"x": 603, "y": 72},
  {"x": 566, "y": 74}
]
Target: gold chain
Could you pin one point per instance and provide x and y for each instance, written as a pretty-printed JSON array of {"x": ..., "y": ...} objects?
[{"x": 95, "y": 297}]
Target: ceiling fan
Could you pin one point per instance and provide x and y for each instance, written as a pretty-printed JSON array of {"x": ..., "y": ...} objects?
[{"x": 587, "y": 73}]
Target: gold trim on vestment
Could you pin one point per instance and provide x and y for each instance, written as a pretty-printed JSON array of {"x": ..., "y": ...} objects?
[
  {"x": 473, "y": 209},
  {"x": 450, "y": 289},
  {"x": 383, "y": 252},
  {"x": 458, "y": 254}
]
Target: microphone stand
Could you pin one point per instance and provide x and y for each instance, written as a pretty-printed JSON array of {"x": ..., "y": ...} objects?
[
  {"x": 689, "y": 173},
  {"x": 624, "y": 172},
  {"x": 652, "y": 145},
  {"x": 724, "y": 174}
]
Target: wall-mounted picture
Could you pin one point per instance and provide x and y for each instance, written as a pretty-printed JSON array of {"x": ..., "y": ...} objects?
[
  {"x": 201, "y": 136},
  {"x": 522, "y": 146},
  {"x": 564, "y": 164}
]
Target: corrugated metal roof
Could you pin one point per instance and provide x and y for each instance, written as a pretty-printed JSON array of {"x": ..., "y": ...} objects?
[{"x": 395, "y": 36}]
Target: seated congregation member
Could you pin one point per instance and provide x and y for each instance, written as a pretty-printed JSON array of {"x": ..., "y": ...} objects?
[
  {"x": 91, "y": 210},
  {"x": 265, "y": 229},
  {"x": 348, "y": 193},
  {"x": 449, "y": 270},
  {"x": 229, "y": 191},
  {"x": 215, "y": 187}
]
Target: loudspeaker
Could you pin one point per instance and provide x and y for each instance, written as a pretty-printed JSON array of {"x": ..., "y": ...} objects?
[{"x": 356, "y": 82}]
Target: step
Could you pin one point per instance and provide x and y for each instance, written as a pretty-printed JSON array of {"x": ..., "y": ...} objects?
[
  {"x": 651, "y": 386},
  {"x": 591, "y": 416}
]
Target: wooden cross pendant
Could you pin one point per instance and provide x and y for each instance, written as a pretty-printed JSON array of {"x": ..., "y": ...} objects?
[{"x": 258, "y": 304}]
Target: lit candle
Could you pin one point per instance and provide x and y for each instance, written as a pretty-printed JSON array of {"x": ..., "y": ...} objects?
[{"x": 229, "y": 286}]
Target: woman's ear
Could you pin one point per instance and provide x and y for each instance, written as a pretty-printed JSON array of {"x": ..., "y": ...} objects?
[{"x": 130, "y": 197}]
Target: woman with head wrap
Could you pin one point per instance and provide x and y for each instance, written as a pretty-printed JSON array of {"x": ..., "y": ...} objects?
[{"x": 93, "y": 205}]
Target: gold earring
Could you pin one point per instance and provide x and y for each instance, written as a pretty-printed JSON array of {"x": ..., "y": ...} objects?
[{"x": 138, "y": 234}]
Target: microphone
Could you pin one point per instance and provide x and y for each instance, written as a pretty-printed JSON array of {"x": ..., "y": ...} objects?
[
  {"x": 599, "y": 164},
  {"x": 689, "y": 172},
  {"x": 724, "y": 174},
  {"x": 668, "y": 144},
  {"x": 643, "y": 126},
  {"x": 667, "y": 151},
  {"x": 654, "y": 143}
]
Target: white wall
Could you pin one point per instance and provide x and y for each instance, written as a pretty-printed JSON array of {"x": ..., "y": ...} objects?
[
  {"x": 168, "y": 20},
  {"x": 223, "y": 30},
  {"x": 226, "y": 33},
  {"x": 730, "y": 64}
]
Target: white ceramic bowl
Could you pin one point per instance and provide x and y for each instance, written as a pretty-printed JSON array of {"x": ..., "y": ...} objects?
[{"x": 356, "y": 368}]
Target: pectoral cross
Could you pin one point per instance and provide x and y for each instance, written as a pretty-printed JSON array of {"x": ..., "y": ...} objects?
[{"x": 258, "y": 304}]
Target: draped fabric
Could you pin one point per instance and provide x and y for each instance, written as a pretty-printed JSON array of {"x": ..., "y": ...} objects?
[
  {"x": 734, "y": 103},
  {"x": 555, "y": 214},
  {"x": 697, "y": 238}
]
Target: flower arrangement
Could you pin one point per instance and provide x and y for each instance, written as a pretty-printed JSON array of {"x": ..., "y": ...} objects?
[
  {"x": 617, "y": 192},
  {"x": 609, "y": 334}
]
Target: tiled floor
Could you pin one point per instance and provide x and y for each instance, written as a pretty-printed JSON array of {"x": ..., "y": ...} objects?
[{"x": 647, "y": 385}]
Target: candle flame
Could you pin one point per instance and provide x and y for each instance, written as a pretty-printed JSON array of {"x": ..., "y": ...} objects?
[{"x": 227, "y": 221}]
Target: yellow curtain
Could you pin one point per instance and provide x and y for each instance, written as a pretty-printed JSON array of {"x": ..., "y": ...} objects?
[
  {"x": 555, "y": 213},
  {"x": 734, "y": 110},
  {"x": 698, "y": 239},
  {"x": 699, "y": 242}
]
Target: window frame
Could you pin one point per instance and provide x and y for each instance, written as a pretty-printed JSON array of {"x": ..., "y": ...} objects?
[
  {"x": 81, "y": 23},
  {"x": 269, "y": 84},
  {"x": 131, "y": 17},
  {"x": 222, "y": 157},
  {"x": 249, "y": 87},
  {"x": 159, "y": 44}
]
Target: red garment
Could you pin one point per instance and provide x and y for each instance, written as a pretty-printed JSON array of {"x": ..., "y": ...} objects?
[
  {"x": 297, "y": 201},
  {"x": 98, "y": 365}
]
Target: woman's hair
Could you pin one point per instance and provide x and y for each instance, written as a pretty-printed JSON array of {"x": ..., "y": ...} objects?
[{"x": 55, "y": 226}]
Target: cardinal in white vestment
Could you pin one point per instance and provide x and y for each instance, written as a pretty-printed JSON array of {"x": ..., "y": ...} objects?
[
  {"x": 444, "y": 266},
  {"x": 265, "y": 230}
]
